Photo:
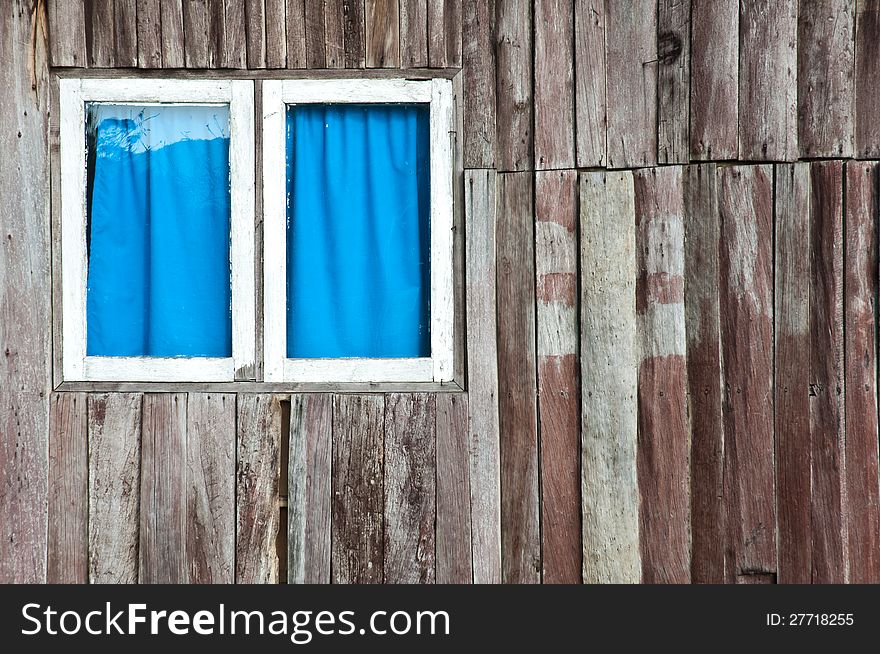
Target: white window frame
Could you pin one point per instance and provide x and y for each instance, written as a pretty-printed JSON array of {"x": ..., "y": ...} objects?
[
  {"x": 74, "y": 94},
  {"x": 277, "y": 94}
]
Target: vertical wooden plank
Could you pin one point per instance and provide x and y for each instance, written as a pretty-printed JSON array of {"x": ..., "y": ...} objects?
[
  {"x": 195, "y": 31},
  {"x": 125, "y": 17},
  {"x": 357, "y": 526},
  {"x": 714, "y": 100},
  {"x": 382, "y": 29},
  {"x": 354, "y": 33},
  {"x": 149, "y": 34},
  {"x": 745, "y": 202},
  {"x": 413, "y": 33},
  {"x": 792, "y": 363},
  {"x": 828, "y": 519},
  {"x": 702, "y": 231},
  {"x": 558, "y": 377},
  {"x": 173, "y": 48},
  {"x": 235, "y": 52},
  {"x": 860, "y": 349},
  {"x": 589, "y": 56},
  {"x": 334, "y": 33},
  {"x": 631, "y": 83},
  {"x": 554, "y": 84},
  {"x": 663, "y": 455},
  {"x": 673, "y": 81},
  {"x": 114, "y": 473},
  {"x": 444, "y": 33},
  {"x": 768, "y": 80},
  {"x": 296, "y": 34},
  {"x": 25, "y": 298},
  {"x": 514, "y": 93},
  {"x": 68, "y": 490},
  {"x": 255, "y": 33},
  {"x": 100, "y": 37},
  {"x": 259, "y": 467},
  {"x": 454, "y": 532},
  {"x": 867, "y": 78},
  {"x": 826, "y": 61},
  {"x": 216, "y": 30},
  {"x": 67, "y": 32},
  {"x": 478, "y": 59},
  {"x": 314, "y": 37},
  {"x": 162, "y": 549},
  {"x": 210, "y": 477},
  {"x": 410, "y": 488},
  {"x": 609, "y": 371},
  {"x": 309, "y": 492},
  {"x": 517, "y": 401},
  {"x": 276, "y": 34},
  {"x": 482, "y": 348}
]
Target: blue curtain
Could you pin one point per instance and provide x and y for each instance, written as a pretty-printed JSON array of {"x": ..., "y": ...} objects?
[
  {"x": 159, "y": 273},
  {"x": 358, "y": 231}
]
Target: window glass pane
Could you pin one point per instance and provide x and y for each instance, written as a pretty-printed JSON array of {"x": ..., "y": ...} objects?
[
  {"x": 358, "y": 242},
  {"x": 159, "y": 270}
]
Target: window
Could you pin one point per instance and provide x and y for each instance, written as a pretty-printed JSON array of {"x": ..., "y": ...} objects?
[
  {"x": 157, "y": 226},
  {"x": 358, "y": 230},
  {"x": 157, "y": 229}
]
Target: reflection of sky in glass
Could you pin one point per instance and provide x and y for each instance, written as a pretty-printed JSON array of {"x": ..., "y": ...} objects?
[{"x": 138, "y": 128}]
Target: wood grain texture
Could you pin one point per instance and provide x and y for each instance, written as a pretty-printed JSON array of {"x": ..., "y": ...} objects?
[
  {"x": 276, "y": 34},
  {"x": 410, "y": 488},
  {"x": 556, "y": 278},
  {"x": 316, "y": 53},
  {"x": 413, "y": 33},
  {"x": 745, "y": 202},
  {"x": 195, "y": 33},
  {"x": 163, "y": 532},
  {"x": 444, "y": 33},
  {"x": 673, "y": 81},
  {"x": 554, "y": 84},
  {"x": 235, "y": 25},
  {"x": 296, "y": 34},
  {"x": 114, "y": 478},
  {"x": 173, "y": 48},
  {"x": 68, "y": 490},
  {"x": 126, "y": 28},
  {"x": 454, "y": 564},
  {"x": 714, "y": 79},
  {"x": 478, "y": 61},
  {"x": 702, "y": 230},
  {"x": 482, "y": 347},
  {"x": 67, "y": 32},
  {"x": 513, "y": 91},
  {"x": 309, "y": 492},
  {"x": 631, "y": 83},
  {"x": 867, "y": 78},
  {"x": 101, "y": 33},
  {"x": 792, "y": 364},
  {"x": 334, "y": 33},
  {"x": 354, "y": 32},
  {"x": 826, "y": 60},
  {"x": 827, "y": 428},
  {"x": 517, "y": 383},
  {"x": 357, "y": 527},
  {"x": 663, "y": 455},
  {"x": 860, "y": 351},
  {"x": 210, "y": 488},
  {"x": 589, "y": 56},
  {"x": 255, "y": 33},
  {"x": 149, "y": 34},
  {"x": 382, "y": 33},
  {"x": 609, "y": 370},
  {"x": 25, "y": 297},
  {"x": 257, "y": 511},
  {"x": 768, "y": 80}
]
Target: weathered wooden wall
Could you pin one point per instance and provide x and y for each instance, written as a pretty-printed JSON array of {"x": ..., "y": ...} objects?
[{"x": 671, "y": 282}]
